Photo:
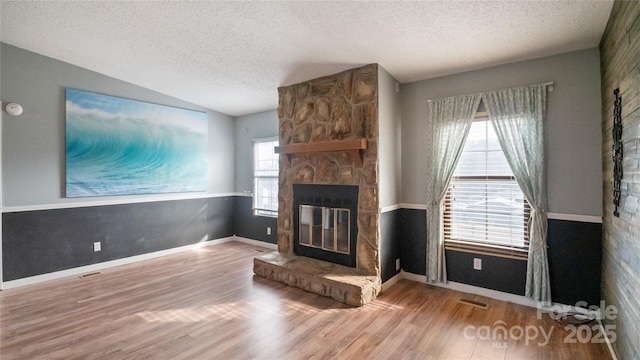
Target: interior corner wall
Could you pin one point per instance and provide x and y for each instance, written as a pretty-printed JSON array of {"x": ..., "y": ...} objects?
[
  {"x": 45, "y": 232},
  {"x": 2, "y": 114},
  {"x": 389, "y": 122},
  {"x": 573, "y": 140},
  {"x": 389, "y": 168},
  {"x": 620, "y": 68},
  {"x": 246, "y": 129}
]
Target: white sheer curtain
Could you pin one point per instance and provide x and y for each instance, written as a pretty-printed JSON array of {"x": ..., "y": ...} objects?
[
  {"x": 450, "y": 120},
  {"x": 517, "y": 116}
]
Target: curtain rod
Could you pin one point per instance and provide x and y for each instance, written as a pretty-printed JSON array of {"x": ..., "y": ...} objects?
[{"x": 549, "y": 85}]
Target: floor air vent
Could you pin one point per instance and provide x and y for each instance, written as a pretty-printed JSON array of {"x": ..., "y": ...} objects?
[
  {"x": 474, "y": 303},
  {"x": 89, "y": 274}
]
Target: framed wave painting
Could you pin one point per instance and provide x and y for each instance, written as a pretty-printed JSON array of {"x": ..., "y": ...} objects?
[{"x": 117, "y": 146}]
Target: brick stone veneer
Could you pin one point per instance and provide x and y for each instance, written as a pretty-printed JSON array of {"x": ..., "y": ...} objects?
[
  {"x": 620, "y": 68},
  {"x": 337, "y": 107}
]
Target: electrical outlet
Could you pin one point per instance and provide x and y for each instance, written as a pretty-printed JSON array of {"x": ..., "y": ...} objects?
[
  {"x": 477, "y": 264},
  {"x": 97, "y": 246},
  {"x": 397, "y": 264},
  {"x": 268, "y": 230}
]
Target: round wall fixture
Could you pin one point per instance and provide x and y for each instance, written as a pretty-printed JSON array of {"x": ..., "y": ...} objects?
[{"x": 13, "y": 109}]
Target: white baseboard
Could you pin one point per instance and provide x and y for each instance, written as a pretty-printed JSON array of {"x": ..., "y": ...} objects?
[
  {"x": 129, "y": 260},
  {"x": 470, "y": 289},
  {"x": 263, "y": 244},
  {"x": 414, "y": 277},
  {"x": 608, "y": 341},
  {"x": 499, "y": 295},
  {"x": 493, "y": 294},
  {"x": 109, "y": 264},
  {"x": 389, "y": 283}
]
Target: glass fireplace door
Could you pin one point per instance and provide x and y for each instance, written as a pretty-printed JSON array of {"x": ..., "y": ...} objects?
[{"x": 325, "y": 228}]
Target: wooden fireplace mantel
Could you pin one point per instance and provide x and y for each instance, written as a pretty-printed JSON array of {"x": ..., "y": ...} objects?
[{"x": 354, "y": 147}]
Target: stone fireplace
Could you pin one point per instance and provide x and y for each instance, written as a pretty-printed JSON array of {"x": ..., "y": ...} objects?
[{"x": 328, "y": 130}]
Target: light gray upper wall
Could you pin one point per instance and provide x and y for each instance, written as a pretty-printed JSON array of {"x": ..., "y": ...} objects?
[
  {"x": 573, "y": 134},
  {"x": 2, "y": 120},
  {"x": 254, "y": 126},
  {"x": 389, "y": 122},
  {"x": 33, "y": 144}
]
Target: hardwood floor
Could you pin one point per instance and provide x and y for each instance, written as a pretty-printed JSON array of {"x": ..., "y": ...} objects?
[{"x": 206, "y": 304}]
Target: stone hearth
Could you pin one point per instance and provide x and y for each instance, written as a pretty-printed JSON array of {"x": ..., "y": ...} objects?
[
  {"x": 339, "y": 107},
  {"x": 341, "y": 283}
]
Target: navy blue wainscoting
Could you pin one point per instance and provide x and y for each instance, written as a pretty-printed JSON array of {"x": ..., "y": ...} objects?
[
  {"x": 44, "y": 241},
  {"x": 412, "y": 229},
  {"x": 389, "y": 243},
  {"x": 250, "y": 226},
  {"x": 498, "y": 273},
  {"x": 574, "y": 250},
  {"x": 575, "y": 261}
]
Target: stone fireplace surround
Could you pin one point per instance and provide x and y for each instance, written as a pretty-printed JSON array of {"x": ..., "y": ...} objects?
[
  {"x": 344, "y": 197},
  {"x": 329, "y": 110}
]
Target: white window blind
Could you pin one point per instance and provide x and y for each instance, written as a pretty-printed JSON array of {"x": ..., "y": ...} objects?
[
  {"x": 265, "y": 177},
  {"x": 485, "y": 210}
]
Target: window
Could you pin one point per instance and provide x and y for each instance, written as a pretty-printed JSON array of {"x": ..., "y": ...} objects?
[
  {"x": 265, "y": 177},
  {"x": 485, "y": 210}
]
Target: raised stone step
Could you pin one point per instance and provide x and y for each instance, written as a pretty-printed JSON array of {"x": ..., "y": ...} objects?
[{"x": 339, "y": 282}]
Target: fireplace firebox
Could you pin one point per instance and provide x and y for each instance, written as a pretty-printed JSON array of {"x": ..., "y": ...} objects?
[{"x": 325, "y": 222}]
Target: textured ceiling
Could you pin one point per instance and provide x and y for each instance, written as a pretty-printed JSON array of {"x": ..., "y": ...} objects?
[{"x": 232, "y": 56}]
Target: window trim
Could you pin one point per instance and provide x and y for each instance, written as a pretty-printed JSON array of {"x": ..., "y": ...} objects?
[
  {"x": 477, "y": 247},
  {"x": 254, "y": 209}
]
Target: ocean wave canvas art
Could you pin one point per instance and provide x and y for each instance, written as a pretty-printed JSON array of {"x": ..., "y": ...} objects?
[{"x": 117, "y": 146}]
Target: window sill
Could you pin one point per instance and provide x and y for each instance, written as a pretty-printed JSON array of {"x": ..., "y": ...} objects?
[
  {"x": 480, "y": 249},
  {"x": 275, "y": 216}
]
